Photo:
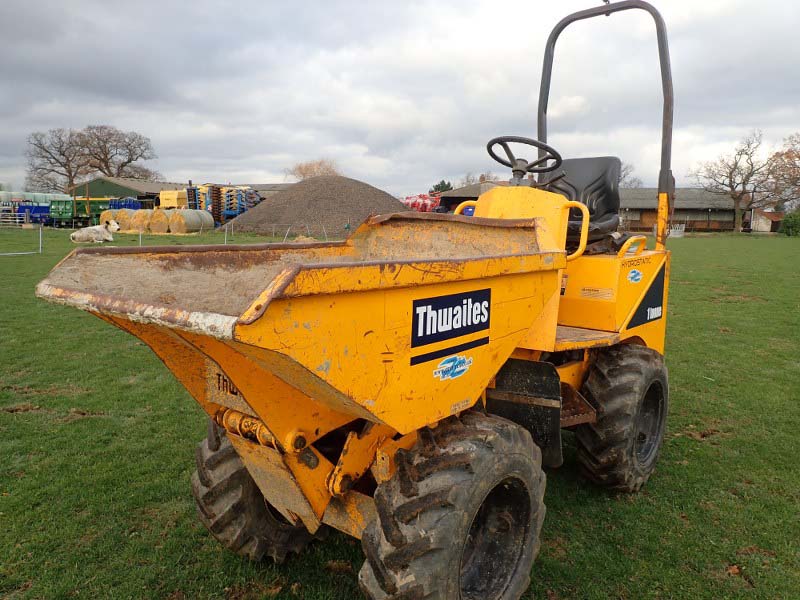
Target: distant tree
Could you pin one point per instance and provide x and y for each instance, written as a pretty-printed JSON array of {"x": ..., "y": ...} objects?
[
  {"x": 313, "y": 168},
  {"x": 487, "y": 176},
  {"x": 786, "y": 173},
  {"x": 442, "y": 186},
  {"x": 744, "y": 176},
  {"x": 115, "y": 153},
  {"x": 626, "y": 177},
  {"x": 60, "y": 158},
  {"x": 56, "y": 160},
  {"x": 791, "y": 224},
  {"x": 468, "y": 179},
  {"x": 143, "y": 173}
]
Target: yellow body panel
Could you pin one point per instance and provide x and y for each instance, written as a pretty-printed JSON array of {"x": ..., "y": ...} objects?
[{"x": 603, "y": 291}]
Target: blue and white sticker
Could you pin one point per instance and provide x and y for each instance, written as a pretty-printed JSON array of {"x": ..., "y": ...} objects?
[
  {"x": 452, "y": 367},
  {"x": 634, "y": 275}
]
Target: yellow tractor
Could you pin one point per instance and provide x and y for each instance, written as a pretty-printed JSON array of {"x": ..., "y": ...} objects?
[{"x": 407, "y": 386}]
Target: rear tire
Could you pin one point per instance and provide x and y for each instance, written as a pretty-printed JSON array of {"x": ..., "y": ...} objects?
[
  {"x": 460, "y": 518},
  {"x": 234, "y": 510},
  {"x": 628, "y": 386}
]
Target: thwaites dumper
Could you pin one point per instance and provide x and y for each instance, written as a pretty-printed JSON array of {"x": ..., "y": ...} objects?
[{"x": 406, "y": 386}]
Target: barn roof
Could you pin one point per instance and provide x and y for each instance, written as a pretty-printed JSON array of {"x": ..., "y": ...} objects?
[
  {"x": 473, "y": 190},
  {"x": 775, "y": 217},
  {"x": 268, "y": 187},
  {"x": 685, "y": 199},
  {"x": 138, "y": 185}
]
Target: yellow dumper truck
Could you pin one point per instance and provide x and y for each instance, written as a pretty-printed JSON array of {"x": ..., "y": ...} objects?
[{"x": 407, "y": 386}]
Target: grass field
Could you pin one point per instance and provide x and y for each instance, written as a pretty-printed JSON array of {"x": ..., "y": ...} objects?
[{"x": 97, "y": 444}]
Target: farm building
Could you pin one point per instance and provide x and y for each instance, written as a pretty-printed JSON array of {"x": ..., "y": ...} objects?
[
  {"x": 265, "y": 190},
  {"x": 698, "y": 209},
  {"x": 763, "y": 221},
  {"x": 453, "y": 198},
  {"x": 122, "y": 187}
]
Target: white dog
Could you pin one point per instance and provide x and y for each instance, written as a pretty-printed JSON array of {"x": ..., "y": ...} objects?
[{"x": 97, "y": 234}]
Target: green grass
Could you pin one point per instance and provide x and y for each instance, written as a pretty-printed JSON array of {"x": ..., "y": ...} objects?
[{"x": 95, "y": 462}]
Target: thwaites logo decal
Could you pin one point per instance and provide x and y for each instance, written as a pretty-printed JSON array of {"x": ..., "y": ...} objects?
[
  {"x": 651, "y": 308},
  {"x": 452, "y": 367},
  {"x": 449, "y": 318}
]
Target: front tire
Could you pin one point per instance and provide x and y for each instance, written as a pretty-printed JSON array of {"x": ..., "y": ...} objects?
[
  {"x": 234, "y": 510},
  {"x": 628, "y": 386},
  {"x": 460, "y": 518}
]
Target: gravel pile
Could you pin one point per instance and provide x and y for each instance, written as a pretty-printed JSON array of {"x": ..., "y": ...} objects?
[{"x": 320, "y": 206}]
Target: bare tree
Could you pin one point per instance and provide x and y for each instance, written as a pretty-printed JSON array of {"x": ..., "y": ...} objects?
[
  {"x": 114, "y": 153},
  {"x": 59, "y": 158},
  {"x": 468, "y": 179},
  {"x": 744, "y": 176},
  {"x": 487, "y": 176},
  {"x": 786, "y": 173},
  {"x": 142, "y": 172},
  {"x": 626, "y": 177},
  {"x": 313, "y": 168},
  {"x": 56, "y": 160}
]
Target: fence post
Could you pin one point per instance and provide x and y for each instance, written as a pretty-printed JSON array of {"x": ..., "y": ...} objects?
[
  {"x": 226, "y": 235},
  {"x": 40, "y": 238},
  {"x": 325, "y": 233},
  {"x": 287, "y": 233},
  {"x": 140, "y": 238}
]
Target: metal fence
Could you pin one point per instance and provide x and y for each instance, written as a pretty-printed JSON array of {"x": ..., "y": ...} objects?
[{"x": 38, "y": 242}]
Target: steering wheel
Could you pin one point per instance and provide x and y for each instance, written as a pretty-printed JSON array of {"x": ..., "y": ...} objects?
[{"x": 520, "y": 166}]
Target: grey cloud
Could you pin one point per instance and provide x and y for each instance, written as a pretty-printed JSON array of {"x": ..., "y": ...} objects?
[{"x": 400, "y": 94}]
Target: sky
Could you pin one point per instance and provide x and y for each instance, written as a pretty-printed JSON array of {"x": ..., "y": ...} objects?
[{"x": 399, "y": 94}]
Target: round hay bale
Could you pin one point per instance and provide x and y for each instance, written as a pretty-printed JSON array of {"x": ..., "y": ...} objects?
[
  {"x": 159, "y": 221},
  {"x": 107, "y": 215},
  {"x": 141, "y": 219},
  {"x": 124, "y": 216},
  {"x": 190, "y": 221}
]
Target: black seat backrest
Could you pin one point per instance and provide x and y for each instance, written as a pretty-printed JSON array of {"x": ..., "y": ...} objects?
[{"x": 594, "y": 182}]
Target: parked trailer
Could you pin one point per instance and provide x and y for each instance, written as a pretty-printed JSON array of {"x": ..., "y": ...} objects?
[
  {"x": 77, "y": 212},
  {"x": 30, "y": 212}
]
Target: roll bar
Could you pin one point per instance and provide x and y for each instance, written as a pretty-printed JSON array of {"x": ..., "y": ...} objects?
[{"x": 666, "y": 182}]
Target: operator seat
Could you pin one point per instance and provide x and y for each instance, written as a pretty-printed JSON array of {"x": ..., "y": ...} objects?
[{"x": 594, "y": 182}]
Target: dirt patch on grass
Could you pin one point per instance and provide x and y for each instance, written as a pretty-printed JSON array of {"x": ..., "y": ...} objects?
[
  {"x": 22, "y": 408},
  {"x": 338, "y": 566},
  {"x": 702, "y": 435},
  {"x": 705, "y": 432},
  {"x": 556, "y": 548},
  {"x": 755, "y": 551},
  {"x": 76, "y": 414},
  {"x": 724, "y": 295},
  {"x": 254, "y": 590},
  {"x": 25, "y": 391},
  {"x": 20, "y": 590}
]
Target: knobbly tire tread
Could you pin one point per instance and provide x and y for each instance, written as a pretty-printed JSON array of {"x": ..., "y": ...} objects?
[
  {"x": 615, "y": 386},
  {"x": 233, "y": 509},
  {"x": 411, "y": 547}
]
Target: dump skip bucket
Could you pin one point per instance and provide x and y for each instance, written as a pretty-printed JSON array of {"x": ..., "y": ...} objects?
[{"x": 412, "y": 308}]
